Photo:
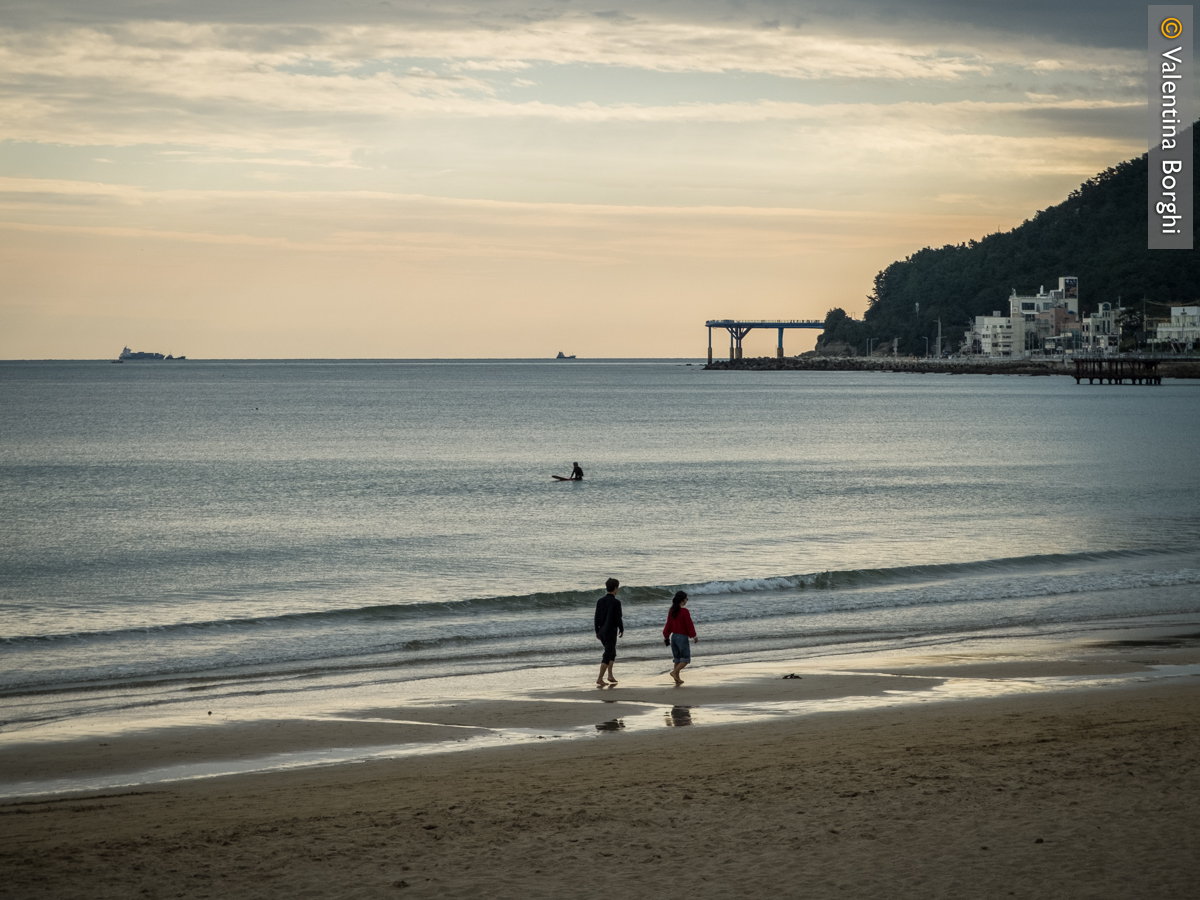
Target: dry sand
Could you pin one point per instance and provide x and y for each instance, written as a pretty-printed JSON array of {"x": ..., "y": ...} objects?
[{"x": 1089, "y": 793}]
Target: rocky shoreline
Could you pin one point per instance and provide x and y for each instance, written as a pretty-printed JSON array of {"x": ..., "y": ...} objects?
[{"x": 1168, "y": 368}]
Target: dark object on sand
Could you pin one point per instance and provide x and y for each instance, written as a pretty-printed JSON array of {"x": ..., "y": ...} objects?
[{"x": 793, "y": 675}]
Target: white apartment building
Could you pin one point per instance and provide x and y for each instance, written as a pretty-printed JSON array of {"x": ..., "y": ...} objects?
[
  {"x": 1101, "y": 331},
  {"x": 1031, "y": 319},
  {"x": 997, "y": 335},
  {"x": 1067, "y": 296},
  {"x": 1047, "y": 321},
  {"x": 1184, "y": 327},
  {"x": 1047, "y": 314}
]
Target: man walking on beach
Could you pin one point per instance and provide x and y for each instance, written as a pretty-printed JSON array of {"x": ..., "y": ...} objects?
[{"x": 609, "y": 626}]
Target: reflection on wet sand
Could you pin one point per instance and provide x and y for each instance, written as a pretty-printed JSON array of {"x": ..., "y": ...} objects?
[
  {"x": 679, "y": 715},
  {"x": 435, "y": 727}
]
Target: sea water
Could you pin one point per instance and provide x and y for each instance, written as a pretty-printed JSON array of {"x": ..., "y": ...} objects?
[{"x": 245, "y": 522}]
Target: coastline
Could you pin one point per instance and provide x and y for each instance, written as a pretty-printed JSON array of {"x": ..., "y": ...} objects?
[
  {"x": 1168, "y": 368},
  {"x": 282, "y": 726}
]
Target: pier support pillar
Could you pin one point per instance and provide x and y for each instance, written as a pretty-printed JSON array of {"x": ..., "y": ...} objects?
[
  {"x": 736, "y": 333},
  {"x": 779, "y": 349}
]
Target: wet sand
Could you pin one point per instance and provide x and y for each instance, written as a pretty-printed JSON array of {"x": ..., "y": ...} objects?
[
  {"x": 196, "y": 741},
  {"x": 1088, "y": 792},
  {"x": 214, "y": 743},
  {"x": 1051, "y": 795}
]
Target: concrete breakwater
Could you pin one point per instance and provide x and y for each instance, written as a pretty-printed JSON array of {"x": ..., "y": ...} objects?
[{"x": 1168, "y": 368}]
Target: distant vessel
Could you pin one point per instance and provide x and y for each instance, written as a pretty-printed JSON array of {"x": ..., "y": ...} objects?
[
  {"x": 141, "y": 354},
  {"x": 562, "y": 355}
]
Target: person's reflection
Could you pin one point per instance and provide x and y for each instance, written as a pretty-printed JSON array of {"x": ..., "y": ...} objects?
[{"x": 680, "y": 715}]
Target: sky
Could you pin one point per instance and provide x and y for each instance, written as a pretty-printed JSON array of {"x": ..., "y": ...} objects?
[{"x": 494, "y": 178}]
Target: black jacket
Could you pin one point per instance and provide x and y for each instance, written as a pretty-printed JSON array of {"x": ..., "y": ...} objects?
[{"x": 608, "y": 616}]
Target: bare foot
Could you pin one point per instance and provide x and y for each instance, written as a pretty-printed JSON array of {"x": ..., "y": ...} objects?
[
  {"x": 600, "y": 683},
  {"x": 678, "y": 682},
  {"x": 611, "y": 680}
]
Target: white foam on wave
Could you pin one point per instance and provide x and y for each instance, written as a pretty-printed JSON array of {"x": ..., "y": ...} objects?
[{"x": 748, "y": 585}]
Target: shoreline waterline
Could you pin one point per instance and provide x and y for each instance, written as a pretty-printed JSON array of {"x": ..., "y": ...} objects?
[{"x": 122, "y": 750}]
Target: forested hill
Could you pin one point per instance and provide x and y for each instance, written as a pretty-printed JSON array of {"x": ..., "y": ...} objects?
[{"x": 1098, "y": 234}]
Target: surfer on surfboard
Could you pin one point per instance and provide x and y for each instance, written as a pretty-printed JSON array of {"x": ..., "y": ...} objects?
[{"x": 576, "y": 474}]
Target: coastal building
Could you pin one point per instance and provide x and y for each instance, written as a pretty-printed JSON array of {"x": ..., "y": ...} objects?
[
  {"x": 1045, "y": 316},
  {"x": 1183, "y": 330},
  {"x": 1057, "y": 322},
  {"x": 1101, "y": 331},
  {"x": 1065, "y": 297},
  {"x": 1045, "y": 322},
  {"x": 996, "y": 335}
]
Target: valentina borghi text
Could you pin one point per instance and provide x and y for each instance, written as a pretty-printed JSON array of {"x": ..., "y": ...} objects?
[{"x": 1168, "y": 207}]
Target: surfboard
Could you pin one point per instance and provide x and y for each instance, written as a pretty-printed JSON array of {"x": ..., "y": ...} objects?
[{"x": 564, "y": 478}]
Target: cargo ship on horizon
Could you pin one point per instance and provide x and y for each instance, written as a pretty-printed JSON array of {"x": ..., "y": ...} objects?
[{"x": 128, "y": 354}]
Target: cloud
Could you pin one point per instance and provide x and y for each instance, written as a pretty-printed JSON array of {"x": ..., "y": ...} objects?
[
  {"x": 316, "y": 141},
  {"x": 1099, "y": 23},
  {"x": 488, "y": 65},
  {"x": 172, "y": 83},
  {"x": 666, "y": 46},
  {"x": 323, "y": 83}
]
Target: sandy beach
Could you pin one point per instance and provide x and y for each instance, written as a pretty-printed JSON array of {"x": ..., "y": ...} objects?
[{"x": 1087, "y": 792}]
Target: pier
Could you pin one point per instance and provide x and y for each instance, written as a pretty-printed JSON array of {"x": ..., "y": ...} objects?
[
  {"x": 1116, "y": 371},
  {"x": 739, "y": 328}
]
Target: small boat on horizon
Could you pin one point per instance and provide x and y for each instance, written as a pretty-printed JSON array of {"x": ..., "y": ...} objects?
[{"x": 562, "y": 355}]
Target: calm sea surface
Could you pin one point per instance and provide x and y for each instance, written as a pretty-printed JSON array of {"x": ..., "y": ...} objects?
[{"x": 215, "y": 520}]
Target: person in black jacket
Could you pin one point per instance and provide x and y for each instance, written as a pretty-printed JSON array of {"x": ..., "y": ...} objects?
[{"x": 609, "y": 626}]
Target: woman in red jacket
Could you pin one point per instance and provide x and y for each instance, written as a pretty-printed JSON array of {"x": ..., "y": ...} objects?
[{"x": 676, "y": 632}]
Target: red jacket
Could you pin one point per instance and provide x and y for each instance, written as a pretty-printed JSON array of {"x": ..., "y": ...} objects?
[{"x": 681, "y": 624}]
